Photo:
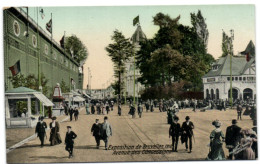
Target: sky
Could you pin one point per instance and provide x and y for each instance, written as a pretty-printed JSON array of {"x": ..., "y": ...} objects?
[{"x": 95, "y": 25}]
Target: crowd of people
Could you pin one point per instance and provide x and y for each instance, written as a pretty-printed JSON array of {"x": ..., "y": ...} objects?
[{"x": 241, "y": 143}]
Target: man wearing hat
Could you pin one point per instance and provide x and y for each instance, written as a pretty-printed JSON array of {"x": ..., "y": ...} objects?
[
  {"x": 40, "y": 130},
  {"x": 239, "y": 112},
  {"x": 96, "y": 130},
  {"x": 233, "y": 137},
  {"x": 69, "y": 141},
  {"x": 174, "y": 132},
  {"x": 106, "y": 131},
  {"x": 187, "y": 130}
]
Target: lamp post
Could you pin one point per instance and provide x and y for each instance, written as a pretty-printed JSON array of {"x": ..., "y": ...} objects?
[{"x": 231, "y": 54}]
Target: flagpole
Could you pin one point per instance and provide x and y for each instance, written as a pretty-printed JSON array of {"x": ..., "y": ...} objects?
[
  {"x": 231, "y": 53},
  {"x": 39, "y": 64}
]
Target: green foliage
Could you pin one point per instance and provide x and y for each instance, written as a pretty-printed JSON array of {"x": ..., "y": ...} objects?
[
  {"x": 226, "y": 44},
  {"x": 30, "y": 81},
  {"x": 64, "y": 87},
  {"x": 176, "y": 53},
  {"x": 200, "y": 27},
  {"x": 75, "y": 47},
  {"x": 119, "y": 51}
]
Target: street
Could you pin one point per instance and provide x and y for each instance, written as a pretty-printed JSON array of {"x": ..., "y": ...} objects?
[{"x": 151, "y": 129}]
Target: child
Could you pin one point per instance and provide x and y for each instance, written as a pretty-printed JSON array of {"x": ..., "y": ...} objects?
[{"x": 69, "y": 140}]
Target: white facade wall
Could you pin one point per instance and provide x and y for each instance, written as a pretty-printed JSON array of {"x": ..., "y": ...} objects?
[{"x": 223, "y": 85}]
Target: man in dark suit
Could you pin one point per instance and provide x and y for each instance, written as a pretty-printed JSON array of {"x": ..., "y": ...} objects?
[
  {"x": 187, "y": 130},
  {"x": 96, "y": 130},
  {"x": 40, "y": 130},
  {"x": 69, "y": 141},
  {"x": 71, "y": 111},
  {"x": 233, "y": 137},
  {"x": 174, "y": 132}
]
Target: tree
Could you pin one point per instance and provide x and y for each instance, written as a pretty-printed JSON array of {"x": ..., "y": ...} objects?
[
  {"x": 119, "y": 51},
  {"x": 75, "y": 47},
  {"x": 226, "y": 44},
  {"x": 64, "y": 87},
  {"x": 30, "y": 81},
  {"x": 200, "y": 27},
  {"x": 176, "y": 53},
  {"x": 168, "y": 32}
]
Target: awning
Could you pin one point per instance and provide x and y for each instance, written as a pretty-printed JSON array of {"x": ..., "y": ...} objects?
[
  {"x": 86, "y": 95},
  {"x": 43, "y": 99},
  {"x": 78, "y": 99},
  {"x": 75, "y": 93}
]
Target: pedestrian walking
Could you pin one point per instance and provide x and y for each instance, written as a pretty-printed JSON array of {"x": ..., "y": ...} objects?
[
  {"x": 132, "y": 111},
  {"x": 174, "y": 132},
  {"x": 239, "y": 112},
  {"x": 40, "y": 130},
  {"x": 107, "y": 107},
  {"x": 187, "y": 133},
  {"x": 106, "y": 131},
  {"x": 92, "y": 109},
  {"x": 87, "y": 108},
  {"x": 233, "y": 136},
  {"x": 216, "y": 141},
  {"x": 96, "y": 132},
  {"x": 54, "y": 134},
  {"x": 76, "y": 114},
  {"x": 71, "y": 111},
  {"x": 140, "y": 110},
  {"x": 69, "y": 141},
  {"x": 119, "y": 109}
]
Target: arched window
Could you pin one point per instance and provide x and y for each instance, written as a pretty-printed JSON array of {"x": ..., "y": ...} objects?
[
  {"x": 248, "y": 94},
  {"x": 212, "y": 94},
  {"x": 217, "y": 93},
  {"x": 234, "y": 93},
  {"x": 207, "y": 94}
]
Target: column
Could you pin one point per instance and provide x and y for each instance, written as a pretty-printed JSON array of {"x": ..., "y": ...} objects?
[{"x": 29, "y": 110}]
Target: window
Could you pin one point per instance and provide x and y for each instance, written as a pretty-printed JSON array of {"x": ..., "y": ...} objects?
[
  {"x": 34, "y": 41},
  {"x": 16, "y": 28},
  {"x": 228, "y": 78},
  {"x": 232, "y": 78},
  {"x": 236, "y": 78},
  {"x": 244, "y": 78},
  {"x": 240, "y": 78}
]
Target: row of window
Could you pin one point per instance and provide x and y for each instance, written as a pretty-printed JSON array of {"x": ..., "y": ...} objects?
[{"x": 242, "y": 78}]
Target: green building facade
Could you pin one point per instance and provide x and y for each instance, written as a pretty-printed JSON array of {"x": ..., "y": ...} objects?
[{"x": 55, "y": 64}]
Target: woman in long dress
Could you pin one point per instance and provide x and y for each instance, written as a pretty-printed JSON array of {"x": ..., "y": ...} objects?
[
  {"x": 216, "y": 141},
  {"x": 54, "y": 134},
  {"x": 247, "y": 141}
]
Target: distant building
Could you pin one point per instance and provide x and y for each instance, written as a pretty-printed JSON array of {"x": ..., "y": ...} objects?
[
  {"x": 136, "y": 38},
  {"x": 217, "y": 81},
  {"x": 107, "y": 93}
]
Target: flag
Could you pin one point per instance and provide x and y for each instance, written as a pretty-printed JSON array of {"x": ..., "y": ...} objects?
[
  {"x": 248, "y": 57},
  {"x": 42, "y": 13},
  {"x": 136, "y": 20},
  {"x": 15, "y": 69},
  {"x": 49, "y": 26},
  {"x": 62, "y": 42}
]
